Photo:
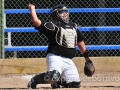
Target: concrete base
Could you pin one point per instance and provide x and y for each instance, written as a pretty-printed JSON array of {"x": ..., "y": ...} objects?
[{"x": 36, "y": 65}]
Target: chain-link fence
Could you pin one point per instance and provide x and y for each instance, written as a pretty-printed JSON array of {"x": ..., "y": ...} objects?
[{"x": 83, "y": 19}]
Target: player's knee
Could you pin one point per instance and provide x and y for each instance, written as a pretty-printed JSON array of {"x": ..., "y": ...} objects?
[
  {"x": 46, "y": 77},
  {"x": 52, "y": 76}
]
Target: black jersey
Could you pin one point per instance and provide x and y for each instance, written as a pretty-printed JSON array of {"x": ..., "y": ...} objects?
[{"x": 63, "y": 47}]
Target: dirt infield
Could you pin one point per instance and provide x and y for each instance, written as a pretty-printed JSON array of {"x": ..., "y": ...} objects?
[
  {"x": 100, "y": 81},
  {"x": 15, "y": 74}
]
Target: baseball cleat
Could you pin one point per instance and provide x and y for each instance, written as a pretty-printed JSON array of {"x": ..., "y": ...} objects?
[{"x": 31, "y": 85}]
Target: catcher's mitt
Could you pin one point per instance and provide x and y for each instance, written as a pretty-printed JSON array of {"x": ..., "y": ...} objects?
[{"x": 89, "y": 68}]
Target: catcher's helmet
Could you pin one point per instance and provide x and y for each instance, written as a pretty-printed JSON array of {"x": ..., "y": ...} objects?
[{"x": 58, "y": 10}]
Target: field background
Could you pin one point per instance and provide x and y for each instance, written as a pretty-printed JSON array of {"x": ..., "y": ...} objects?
[{"x": 15, "y": 73}]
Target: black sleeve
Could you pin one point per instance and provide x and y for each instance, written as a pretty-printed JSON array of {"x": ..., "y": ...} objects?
[
  {"x": 80, "y": 36},
  {"x": 41, "y": 28}
]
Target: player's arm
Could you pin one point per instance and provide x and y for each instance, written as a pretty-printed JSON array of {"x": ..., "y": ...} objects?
[
  {"x": 36, "y": 22},
  {"x": 89, "y": 68},
  {"x": 82, "y": 47}
]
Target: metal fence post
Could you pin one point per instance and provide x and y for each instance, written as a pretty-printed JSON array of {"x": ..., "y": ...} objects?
[{"x": 2, "y": 29}]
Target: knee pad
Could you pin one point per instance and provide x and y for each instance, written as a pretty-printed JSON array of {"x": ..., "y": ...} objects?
[
  {"x": 52, "y": 76},
  {"x": 46, "y": 77},
  {"x": 73, "y": 84}
]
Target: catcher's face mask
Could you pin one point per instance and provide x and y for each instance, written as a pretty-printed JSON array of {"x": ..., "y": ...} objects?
[
  {"x": 63, "y": 14},
  {"x": 60, "y": 13}
]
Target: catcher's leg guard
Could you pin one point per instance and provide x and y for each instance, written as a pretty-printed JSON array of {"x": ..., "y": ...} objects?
[
  {"x": 31, "y": 85},
  {"x": 44, "y": 78},
  {"x": 52, "y": 76},
  {"x": 55, "y": 85},
  {"x": 73, "y": 84},
  {"x": 65, "y": 85},
  {"x": 37, "y": 79}
]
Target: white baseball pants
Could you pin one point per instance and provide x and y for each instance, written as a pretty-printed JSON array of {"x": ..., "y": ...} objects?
[{"x": 64, "y": 66}]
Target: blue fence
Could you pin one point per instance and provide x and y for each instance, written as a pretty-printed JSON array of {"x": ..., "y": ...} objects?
[
  {"x": 71, "y": 10},
  {"x": 83, "y": 29}
]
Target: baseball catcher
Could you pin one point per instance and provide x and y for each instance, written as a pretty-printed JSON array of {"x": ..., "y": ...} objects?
[{"x": 63, "y": 37}]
